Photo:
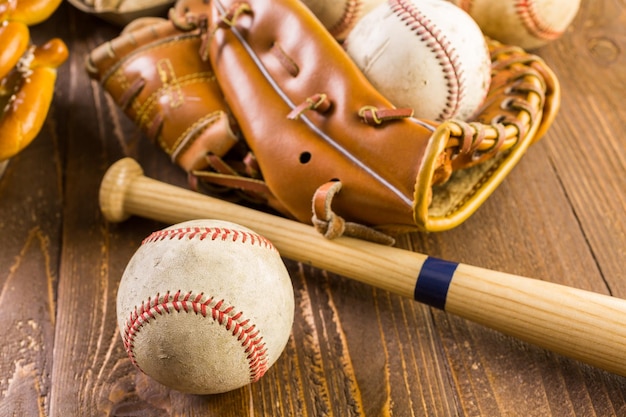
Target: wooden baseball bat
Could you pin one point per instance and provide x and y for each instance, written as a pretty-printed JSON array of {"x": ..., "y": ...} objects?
[{"x": 583, "y": 325}]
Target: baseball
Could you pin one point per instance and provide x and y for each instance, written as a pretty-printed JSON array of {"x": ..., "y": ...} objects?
[
  {"x": 525, "y": 23},
  {"x": 428, "y": 55},
  {"x": 205, "y": 306},
  {"x": 340, "y": 16}
]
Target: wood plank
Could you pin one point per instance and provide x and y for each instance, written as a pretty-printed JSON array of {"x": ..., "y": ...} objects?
[
  {"x": 31, "y": 224},
  {"x": 586, "y": 144},
  {"x": 31, "y": 198},
  {"x": 558, "y": 217}
]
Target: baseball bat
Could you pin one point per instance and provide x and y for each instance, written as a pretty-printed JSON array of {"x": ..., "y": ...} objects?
[{"x": 582, "y": 325}]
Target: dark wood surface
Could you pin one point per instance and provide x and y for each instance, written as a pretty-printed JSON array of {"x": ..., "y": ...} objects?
[{"x": 354, "y": 350}]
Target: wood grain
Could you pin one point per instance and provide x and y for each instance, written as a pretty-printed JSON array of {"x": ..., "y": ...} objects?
[
  {"x": 355, "y": 350},
  {"x": 580, "y": 324}
]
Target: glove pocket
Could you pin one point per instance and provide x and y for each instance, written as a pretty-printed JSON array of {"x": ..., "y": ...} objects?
[{"x": 523, "y": 100}]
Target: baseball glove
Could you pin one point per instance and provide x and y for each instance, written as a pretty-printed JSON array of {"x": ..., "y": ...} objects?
[{"x": 303, "y": 131}]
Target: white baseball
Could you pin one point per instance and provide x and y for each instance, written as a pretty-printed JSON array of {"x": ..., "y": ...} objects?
[
  {"x": 525, "y": 23},
  {"x": 205, "y": 306},
  {"x": 340, "y": 16},
  {"x": 428, "y": 55}
]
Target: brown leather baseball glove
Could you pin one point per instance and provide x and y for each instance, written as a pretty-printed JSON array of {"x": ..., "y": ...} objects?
[{"x": 309, "y": 135}]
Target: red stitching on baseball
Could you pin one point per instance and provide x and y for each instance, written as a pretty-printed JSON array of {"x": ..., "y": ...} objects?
[
  {"x": 440, "y": 47},
  {"x": 251, "y": 341},
  {"x": 527, "y": 12},
  {"x": 213, "y": 233},
  {"x": 348, "y": 18}
]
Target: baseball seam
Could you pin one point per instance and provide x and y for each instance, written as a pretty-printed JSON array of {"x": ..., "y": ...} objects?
[
  {"x": 348, "y": 18},
  {"x": 445, "y": 54},
  {"x": 531, "y": 19},
  {"x": 213, "y": 233},
  {"x": 225, "y": 315}
]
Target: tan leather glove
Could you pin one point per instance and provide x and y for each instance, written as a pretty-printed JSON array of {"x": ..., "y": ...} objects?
[
  {"x": 330, "y": 149},
  {"x": 153, "y": 72}
]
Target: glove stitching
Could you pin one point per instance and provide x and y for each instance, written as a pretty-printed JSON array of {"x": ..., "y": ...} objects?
[
  {"x": 376, "y": 116},
  {"x": 285, "y": 60},
  {"x": 188, "y": 137},
  {"x": 124, "y": 61},
  {"x": 147, "y": 107},
  {"x": 318, "y": 102}
]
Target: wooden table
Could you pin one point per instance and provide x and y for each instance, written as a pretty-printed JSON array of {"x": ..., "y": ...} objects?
[{"x": 354, "y": 350}]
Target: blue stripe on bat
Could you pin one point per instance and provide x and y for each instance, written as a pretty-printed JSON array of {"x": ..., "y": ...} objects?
[{"x": 433, "y": 282}]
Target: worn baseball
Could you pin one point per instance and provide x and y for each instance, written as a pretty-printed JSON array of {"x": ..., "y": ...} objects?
[
  {"x": 525, "y": 23},
  {"x": 205, "y": 306},
  {"x": 428, "y": 55},
  {"x": 340, "y": 16}
]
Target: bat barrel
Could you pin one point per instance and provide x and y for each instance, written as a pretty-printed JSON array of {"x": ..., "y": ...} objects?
[
  {"x": 586, "y": 326},
  {"x": 582, "y": 325}
]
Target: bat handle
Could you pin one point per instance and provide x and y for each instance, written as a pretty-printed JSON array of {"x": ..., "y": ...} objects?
[{"x": 586, "y": 326}]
